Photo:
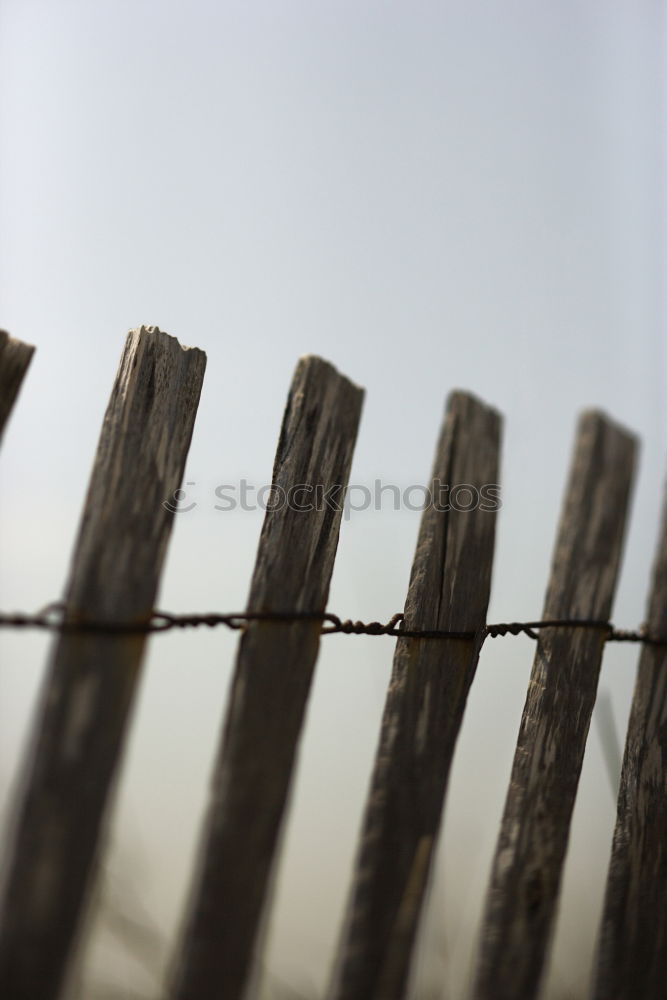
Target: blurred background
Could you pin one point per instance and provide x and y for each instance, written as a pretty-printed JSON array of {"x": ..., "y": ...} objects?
[{"x": 431, "y": 195}]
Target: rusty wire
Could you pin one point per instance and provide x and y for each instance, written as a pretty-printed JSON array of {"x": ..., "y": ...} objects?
[{"x": 55, "y": 618}]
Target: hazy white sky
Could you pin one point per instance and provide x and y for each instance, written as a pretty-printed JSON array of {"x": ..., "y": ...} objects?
[{"x": 430, "y": 195}]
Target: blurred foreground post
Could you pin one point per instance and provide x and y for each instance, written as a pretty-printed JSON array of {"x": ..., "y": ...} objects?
[
  {"x": 527, "y": 867},
  {"x": 274, "y": 669},
  {"x": 632, "y": 950},
  {"x": 449, "y": 589},
  {"x": 15, "y": 357},
  {"x": 92, "y": 677}
]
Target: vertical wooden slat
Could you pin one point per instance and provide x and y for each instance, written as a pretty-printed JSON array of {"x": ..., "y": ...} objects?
[
  {"x": 449, "y": 589},
  {"x": 274, "y": 668},
  {"x": 632, "y": 950},
  {"x": 527, "y": 867},
  {"x": 15, "y": 356},
  {"x": 92, "y": 677}
]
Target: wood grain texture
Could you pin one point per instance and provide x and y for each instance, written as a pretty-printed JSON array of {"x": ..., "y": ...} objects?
[
  {"x": 527, "y": 867},
  {"x": 632, "y": 950},
  {"x": 15, "y": 356},
  {"x": 274, "y": 669},
  {"x": 91, "y": 678},
  {"x": 449, "y": 589}
]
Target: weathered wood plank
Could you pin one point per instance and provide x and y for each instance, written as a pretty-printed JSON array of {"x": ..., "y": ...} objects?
[
  {"x": 15, "y": 356},
  {"x": 632, "y": 950},
  {"x": 273, "y": 673},
  {"x": 449, "y": 589},
  {"x": 527, "y": 867},
  {"x": 91, "y": 678}
]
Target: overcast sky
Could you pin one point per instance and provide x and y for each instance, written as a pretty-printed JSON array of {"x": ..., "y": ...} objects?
[{"x": 431, "y": 195}]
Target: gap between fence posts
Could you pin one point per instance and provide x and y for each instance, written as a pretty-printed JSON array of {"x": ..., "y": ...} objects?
[
  {"x": 91, "y": 678},
  {"x": 272, "y": 679},
  {"x": 527, "y": 867},
  {"x": 449, "y": 589},
  {"x": 632, "y": 947},
  {"x": 15, "y": 357}
]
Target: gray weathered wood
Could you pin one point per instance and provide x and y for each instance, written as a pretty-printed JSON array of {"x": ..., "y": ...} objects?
[
  {"x": 632, "y": 951},
  {"x": 527, "y": 867},
  {"x": 15, "y": 356},
  {"x": 449, "y": 589},
  {"x": 274, "y": 668},
  {"x": 91, "y": 678}
]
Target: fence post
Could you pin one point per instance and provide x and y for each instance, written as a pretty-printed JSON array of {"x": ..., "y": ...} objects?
[
  {"x": 632, "y": 947},
  {"x": 274, "y": 668},
  {"x": 527, "y": 866},
  {"x": 15, "y": 356},
  {"x": 449, "y": 589},
  {"x": 92, "y": 677}
]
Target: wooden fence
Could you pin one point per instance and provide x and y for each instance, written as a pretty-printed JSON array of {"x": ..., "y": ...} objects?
[{"x": 62, "y": 804}]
